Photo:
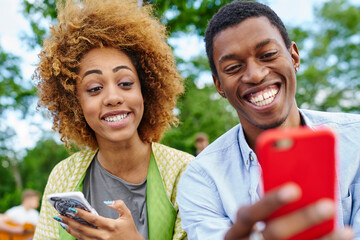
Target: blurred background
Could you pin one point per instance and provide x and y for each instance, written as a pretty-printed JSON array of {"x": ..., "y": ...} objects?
[{"x": 327, "y": 33}]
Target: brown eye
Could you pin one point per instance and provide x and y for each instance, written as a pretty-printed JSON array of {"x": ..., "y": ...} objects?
[
  {"x": 94, "y": 89},
  {"x": 125, "y": 84},
  {"x": 233, "y": 69},
  {"x": 269, "y": 55}
]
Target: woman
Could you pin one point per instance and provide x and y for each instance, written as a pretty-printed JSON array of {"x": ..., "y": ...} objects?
[{"x": 109, "y": 81}]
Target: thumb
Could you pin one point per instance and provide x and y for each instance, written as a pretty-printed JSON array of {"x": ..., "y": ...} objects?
[{"x": 119, "y": 206}]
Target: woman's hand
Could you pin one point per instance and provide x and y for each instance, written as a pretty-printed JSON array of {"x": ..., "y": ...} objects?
[
  {"x": 121, "y": 228},
  {"x": 285, "y": 226}
]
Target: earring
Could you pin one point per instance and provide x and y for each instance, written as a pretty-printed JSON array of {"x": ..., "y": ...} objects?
[{"x": 223, "y": 95}]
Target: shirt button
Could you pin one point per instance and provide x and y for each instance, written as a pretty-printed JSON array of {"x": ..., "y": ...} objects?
[
  {"x": 250, "y": 191},
  {"x": 251, "y": 158}
]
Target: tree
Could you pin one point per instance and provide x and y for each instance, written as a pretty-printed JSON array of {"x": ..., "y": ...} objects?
[
  {"x": 14, "y": 96},
  {"x": 330, "y": 66},
  {"x": 33, "y": 170},
  {"x": 39, "y": 161},
  {"x": 14, "y": 93},
  {"x": 330, "y": 79},
  {"x": 327, "y": 80}
]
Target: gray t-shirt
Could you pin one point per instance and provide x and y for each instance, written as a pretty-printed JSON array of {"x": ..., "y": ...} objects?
[{"x": 100, "y": 186}]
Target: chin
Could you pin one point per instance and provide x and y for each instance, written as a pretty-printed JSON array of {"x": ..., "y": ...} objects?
[{"x": 270, "y": 126}]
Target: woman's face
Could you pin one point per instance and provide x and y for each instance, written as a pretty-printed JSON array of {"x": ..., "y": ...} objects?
[{"x": 110, "y": 95}]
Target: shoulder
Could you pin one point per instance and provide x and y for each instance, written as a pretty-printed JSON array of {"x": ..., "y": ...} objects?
[
  {"x": 66, "y": 174},
  {"x": 171, "y": 164},
  {"x": 171, "y": 155},
  {"x": 76, "y": 160},
  {"x": 15, "y": 209},
  {"x": 345, "y": 126},
  {"x": 331, "y": 118}
]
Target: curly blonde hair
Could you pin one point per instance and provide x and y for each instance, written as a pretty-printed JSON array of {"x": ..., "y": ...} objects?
[{"x": 121, "y": 24}]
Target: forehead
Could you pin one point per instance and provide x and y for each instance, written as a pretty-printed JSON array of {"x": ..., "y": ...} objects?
[
  {"x": 106, "y": 57},
  {"x": 246, "y": 35}
]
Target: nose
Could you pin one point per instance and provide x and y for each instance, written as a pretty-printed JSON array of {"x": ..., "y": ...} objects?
[
  {"x": 254, "y": 73},
  {"x": 113, "y": 96}
]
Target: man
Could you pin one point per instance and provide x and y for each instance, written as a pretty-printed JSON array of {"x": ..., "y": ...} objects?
[
  {"x": 254, "y": 66},
  {"x": 201, "y": 142},
  {"x": 26, "y": 212}
]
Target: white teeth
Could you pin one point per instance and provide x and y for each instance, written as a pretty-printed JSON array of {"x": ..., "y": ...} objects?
[
  {"x": 117, "y": 118},
  {"x": 266, "y": 98}
]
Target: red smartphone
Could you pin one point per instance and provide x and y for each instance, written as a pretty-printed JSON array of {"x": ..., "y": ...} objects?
[{"x": 305, "y": 157}]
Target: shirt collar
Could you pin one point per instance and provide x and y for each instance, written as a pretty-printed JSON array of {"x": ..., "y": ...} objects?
[
  {"x": 305, "y": 121},
  {"x": 247, "y": 154}
]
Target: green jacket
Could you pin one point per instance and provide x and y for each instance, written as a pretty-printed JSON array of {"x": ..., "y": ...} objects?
[{"x": 163, "y": 176}]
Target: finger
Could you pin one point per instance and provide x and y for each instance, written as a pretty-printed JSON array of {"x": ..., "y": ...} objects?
[
  {"x": 90, "y": 218},
  {"x": 343, "y": 234},
  {"x": 247, "y": 216},
  {"x": 299, "y": 220},
  {"x": 120, "y": 207},
  {"x": 273, "y": 200},
  {"x": 79, "y": 230}
]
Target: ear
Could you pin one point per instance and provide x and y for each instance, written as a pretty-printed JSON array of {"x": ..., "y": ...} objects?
[
  {"x": 218, "y": 86},
  {"x": 294, "y": 52}
]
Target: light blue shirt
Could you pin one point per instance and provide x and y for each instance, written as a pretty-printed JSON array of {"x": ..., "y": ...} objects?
[{"x": 227, "y": 175}]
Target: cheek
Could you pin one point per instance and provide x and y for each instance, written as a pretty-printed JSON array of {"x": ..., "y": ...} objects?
[
  {"x": 89, "y": 109},
  {"x": 141, "y": 106}
]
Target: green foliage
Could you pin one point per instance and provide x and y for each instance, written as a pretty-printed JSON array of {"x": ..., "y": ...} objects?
[
  {"x": 36, "y": 12},
  {"x": 13, "y": 91},
  {"x": 201, "y": 110},
  {"x": 10, "y": 199},
  {"x": 187, "y": 16},
  {"x": 331, "y": 67},
  {"x": 34, "y": 170},
  {"x": 39, "y": 162},
  {"x": 15, "y": 95}
]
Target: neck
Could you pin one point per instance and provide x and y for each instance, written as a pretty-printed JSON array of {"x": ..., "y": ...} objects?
[
  {"x": 293, "y": 120},
  {"x": 128, "y": 160},
  {"x": 27, "y": 208}
]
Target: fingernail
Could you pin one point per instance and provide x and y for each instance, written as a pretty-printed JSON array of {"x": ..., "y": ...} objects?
[
  {"x": 72, "y": 210},
  {"x": 289, "y": 192},
  {"x": 109, "y": 202},
  {"x": 325, "y": 208},
  {"x": 63, "y": 226},
  {"x": 57, "y": 219}
]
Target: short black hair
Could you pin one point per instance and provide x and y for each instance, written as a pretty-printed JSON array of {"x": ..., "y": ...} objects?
[{"x": 234, "y": 13}]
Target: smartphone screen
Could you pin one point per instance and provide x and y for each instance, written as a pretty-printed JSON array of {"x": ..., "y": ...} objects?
[{"x": 305, "y": 157}]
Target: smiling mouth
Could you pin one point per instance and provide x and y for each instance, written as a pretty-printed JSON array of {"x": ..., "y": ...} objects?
[
  {"x": 263, "y": 97},
  {"x": 116, "y": 118}
]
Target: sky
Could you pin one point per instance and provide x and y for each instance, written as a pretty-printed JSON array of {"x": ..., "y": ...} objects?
[{"x": 13, "y": 24}]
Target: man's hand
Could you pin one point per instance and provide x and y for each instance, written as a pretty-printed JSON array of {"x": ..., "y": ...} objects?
[{"x": 288, "y": 225}]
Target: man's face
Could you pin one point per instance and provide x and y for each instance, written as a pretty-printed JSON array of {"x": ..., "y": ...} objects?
[
  {"x": 256, "y": 73},
  {"x": 32, "y": 202}
]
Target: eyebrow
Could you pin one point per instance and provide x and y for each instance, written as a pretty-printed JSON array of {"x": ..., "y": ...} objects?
[
  {"x": 91, "y": 72},
  {"x": 120, "y": 67},
  {"x": 263, "y": 43},
  {"x": 96, "y": 71},
  {"x": 227, "y": 57}
]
